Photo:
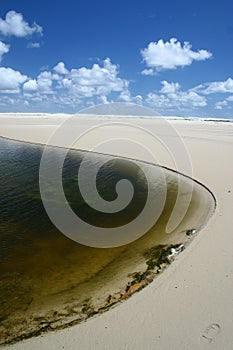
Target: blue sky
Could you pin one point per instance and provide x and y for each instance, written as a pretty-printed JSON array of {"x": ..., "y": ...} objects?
[{"x": 173, "y": 56}]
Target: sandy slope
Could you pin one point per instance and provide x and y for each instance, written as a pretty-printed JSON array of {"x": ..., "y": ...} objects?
[{"x": 190, "y": 306}]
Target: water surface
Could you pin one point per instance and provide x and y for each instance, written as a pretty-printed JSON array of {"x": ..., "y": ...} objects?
[{"x": 48, "y": 280}]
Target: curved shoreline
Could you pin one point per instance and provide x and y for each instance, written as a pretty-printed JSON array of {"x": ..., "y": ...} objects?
[
  {"x": 115, "y": 156},
  {"x": 195, "y": 292},
  {"x": 157, "y": 247}
]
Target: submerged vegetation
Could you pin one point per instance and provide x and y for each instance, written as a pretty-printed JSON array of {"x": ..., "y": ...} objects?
[{"x": 156, "y": 258}]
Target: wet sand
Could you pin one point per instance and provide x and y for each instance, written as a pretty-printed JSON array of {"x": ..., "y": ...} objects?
[{"x": 190, "y": 304}]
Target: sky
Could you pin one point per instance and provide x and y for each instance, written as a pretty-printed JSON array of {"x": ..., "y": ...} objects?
[{"x": 175, "y": 57}]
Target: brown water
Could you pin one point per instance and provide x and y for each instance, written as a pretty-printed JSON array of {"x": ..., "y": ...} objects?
[{"x": 49, "y": 281}]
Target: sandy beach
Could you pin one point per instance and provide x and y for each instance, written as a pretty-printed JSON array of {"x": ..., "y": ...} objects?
[{"x": 190, "y": 305}]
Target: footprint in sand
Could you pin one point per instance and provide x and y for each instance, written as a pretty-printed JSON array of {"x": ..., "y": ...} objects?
[{"x": 211, "y": 332}]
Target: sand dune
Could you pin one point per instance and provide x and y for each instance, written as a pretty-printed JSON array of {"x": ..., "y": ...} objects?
[{"x": 190, "y": 306}]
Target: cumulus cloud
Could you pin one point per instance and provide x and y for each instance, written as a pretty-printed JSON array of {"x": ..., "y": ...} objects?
[
  {"x": 94, "y": 81},
  {"x": 45, "y": 82},
  {"x": 171, "y": 96},
  {"x": 158, "y": 101},
  {"x": 169, "y": 88},
  {"x": 60, "y": 68},
  {"x": 3, "y": 49},
  {"x": 11, "y": 80},
  {"x": 61, "y": 88},
  {"x": 15, "y": 25},
  {"x": 170, "y": 55},
  {"x": 125, "y": 96},
  {"x": 30, "y": 85},
  {"x": 138, "y": 99},
  {"x": 215, "y": 87},
  {"x": 149, "y": 71}
]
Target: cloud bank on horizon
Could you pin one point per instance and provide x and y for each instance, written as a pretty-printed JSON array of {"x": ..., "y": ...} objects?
[{"x": 63, "y": 89}]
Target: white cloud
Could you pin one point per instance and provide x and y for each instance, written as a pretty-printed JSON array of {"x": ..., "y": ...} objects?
[
  {"x": 30, "y": 85},
  {"x": 171, "y": 96},
  {"x": 149, "y": 71},
  {"x": 138, "y": 99},
  {"x": 33, "y": 45},
  {"x": 191, "y": 98},
  {"x": 224, "y": 103},
  {"x": 45, "y": 82},
  {"x": 3, "y": 49},
  {"x": 60, "y": 88},
  {"x": 169, "y": 88},
  {"x": 158, "y": 101},
  {"x": 215, "y": 87},
  {"x": 125, "y": 96},
  {"x": 219, "y": 105},
  {"x": 11, "y": 80},
  {"x": 170, "y": 55},
  {"x": 95, "y": 81},
  {"x": 60, "y": 68},
  {"x": 15, "y": 25},
  {"x": 104, "y": 100}
]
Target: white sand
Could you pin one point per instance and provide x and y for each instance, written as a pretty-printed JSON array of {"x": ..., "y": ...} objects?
[{"x": 190, "y": 305}]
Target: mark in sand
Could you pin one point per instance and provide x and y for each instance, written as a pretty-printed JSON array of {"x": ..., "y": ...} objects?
[{"x": 211, "y": 332}]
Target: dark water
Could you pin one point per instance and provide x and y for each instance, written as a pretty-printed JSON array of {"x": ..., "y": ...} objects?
[{"x": 46, "y": 278}]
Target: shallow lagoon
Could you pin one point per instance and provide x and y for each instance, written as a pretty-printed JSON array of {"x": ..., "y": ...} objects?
[{"x": 48, "y": 280}]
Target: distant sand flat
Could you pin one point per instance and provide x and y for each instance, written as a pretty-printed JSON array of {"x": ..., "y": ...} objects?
[{"x": 190, "y": 305}]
